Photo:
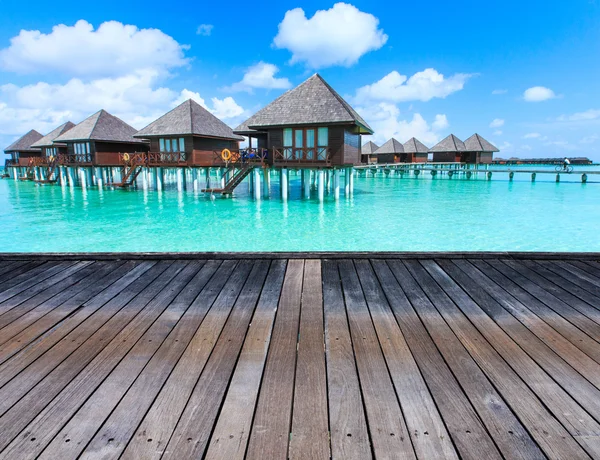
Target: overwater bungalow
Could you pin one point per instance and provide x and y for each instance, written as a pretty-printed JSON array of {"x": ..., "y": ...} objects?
[
  {"x": 308, "y": 126},
  {"x": 367, "y": 152},
  {"x": 414, "y": 151},
  {"x": 188, "y": 135},
  {"x": 22, "y": 150},
  {"x": 98, "y": 140},
  {"x": 448, "y": 150},
  {"x": 478, "y": 150},
  {"x": 390, "y": 152},
  {"x": 49, "y": 148}
]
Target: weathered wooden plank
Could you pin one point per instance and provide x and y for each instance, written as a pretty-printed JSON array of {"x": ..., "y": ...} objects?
[
  {"x": 32, "y": 281},
  {"x": 200, "y": 414},
  {"x": 104, "y": 384},
  {"x": 387, "y": 427},
  {"x": 529, "y": 330},
  {"x": 447, "y": 369},
  {"x": 591, "y": 268},
  {"x": 109, "y": 320},
  {"x": 579, "y": 272},
  {"x": 55, "y": 318},
  {"x": 582, "y": 315},
  {"x": 347, "y": 421},
  {"x": 271, "y": 428},
  {"x": 9, "y": 266},
  {"x": 20, "y": 317},
  {"x": 494, "y": 351},
  {"x": 125, "y": 396},
  {"x": 425, "y": 425},
  {"x": 230, "y": 436},
  {"x": 23, "y": 267},
  {"x": 568, "y": 273},
  {"x": 27, "y": 300},
  {"x": 310, "y": 427},
  {"x": 133, "y": 320},
  {"x": 46, "y": 332},
  {"x": 160, "y": 421},
  {"x": 572, "y": 295}
]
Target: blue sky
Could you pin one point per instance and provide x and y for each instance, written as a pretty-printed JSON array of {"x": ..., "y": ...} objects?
[{"x": 523, "y": 74}]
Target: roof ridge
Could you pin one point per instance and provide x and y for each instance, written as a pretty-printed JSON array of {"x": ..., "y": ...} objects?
[{"x": 96, "y": 123}]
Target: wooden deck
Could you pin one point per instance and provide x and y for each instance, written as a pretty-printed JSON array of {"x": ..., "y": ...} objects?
[{"x": 300, "y": 358}]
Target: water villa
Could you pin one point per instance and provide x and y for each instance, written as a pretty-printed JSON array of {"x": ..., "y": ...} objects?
[
  {"x": 478, "y": 150},
  {"x": 415, "y": 151},
  {"x": 22, "y": 151},
  {"x": 448, "y": 150},
  {"x": 368, "y": 152},
  {"x": 390, "y": 152}
]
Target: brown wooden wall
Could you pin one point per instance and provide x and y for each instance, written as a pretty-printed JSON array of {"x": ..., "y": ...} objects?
[{"x": 445, "y": 157}]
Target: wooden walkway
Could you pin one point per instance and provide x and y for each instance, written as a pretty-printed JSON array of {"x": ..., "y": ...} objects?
[{"x": 484, "y": 358}]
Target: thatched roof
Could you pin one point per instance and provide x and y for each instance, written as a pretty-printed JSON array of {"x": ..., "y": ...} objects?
[
  {"x": 391, "y": 146},
  {"x": 48, "y": 139},
  {"x": 24, "y": 143},
  {"x": 312, "y": 102},
  {"x": 102, "y": 126},
  {"x": 476, "y": 143},
  {"x": 414, "y": 145},
  {"x": 189, "y": 118},
  {"x": 449, "y": 144},
  {"x": 369, "y": 148}
]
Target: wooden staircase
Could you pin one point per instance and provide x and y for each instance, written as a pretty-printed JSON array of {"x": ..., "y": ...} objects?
[
  {"x": 129, "y": 173},
  {"x": 29, "y": 172},
  {"x": 50, "y": 173},
  {"x": 236, "y": 180}
]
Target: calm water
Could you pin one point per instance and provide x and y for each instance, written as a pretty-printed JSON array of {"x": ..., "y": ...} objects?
[{"x": 385, "y": 214}]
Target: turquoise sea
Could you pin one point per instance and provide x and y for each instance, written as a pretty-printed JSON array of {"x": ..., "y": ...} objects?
[{"x": 384, "y": 214}]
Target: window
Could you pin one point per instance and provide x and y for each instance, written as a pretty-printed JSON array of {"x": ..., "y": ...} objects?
[
  {"x": 287, "y": 142},
  {"x": 51, "y": 152},
  {"x": 323, "y": 143},
  {"x": 168, "y": 145},
  {"x": 305, "y": 143},
  {"x": 83, "y": 149}
]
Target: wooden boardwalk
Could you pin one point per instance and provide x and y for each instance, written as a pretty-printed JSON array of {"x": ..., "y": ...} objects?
[{"x": 483, "y": 358}]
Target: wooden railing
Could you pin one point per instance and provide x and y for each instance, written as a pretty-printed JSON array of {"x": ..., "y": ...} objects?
[
  {"x": 10, "y": 162},
  {"x": 166, "y": 158},
  {"x": 240, "y": 157},
  {"x": 306, "y": 155},
  {"x": 74, "y": 158}
]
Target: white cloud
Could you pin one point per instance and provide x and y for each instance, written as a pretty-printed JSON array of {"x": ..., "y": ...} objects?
[
  {"x": 499, "y": 91},
  {"x": 497, "y": 123},
  {"x": 385, "y": 120},
  {"x": 422, "y": 86},
  {"x": 506, "y": 147},
  {"x": 526, "y": 147},
  {"x": 440, "y": 122},
  {"x": 114, "y": 49},
  {"x": 261, "y": 75},
  {"x": 591, "y": 114},
  {"x": 497, "y": 133},
  {"x": 531, "y": 136},
  {"x": 204, "y": 29},
  {"x": 337, "y": 36},
  {"x": 538, "y": 94},
  {"x": 135, "y": 90}
]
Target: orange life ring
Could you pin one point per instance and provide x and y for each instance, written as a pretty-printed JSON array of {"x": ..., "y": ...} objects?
[{"x": 226, "y": 154}]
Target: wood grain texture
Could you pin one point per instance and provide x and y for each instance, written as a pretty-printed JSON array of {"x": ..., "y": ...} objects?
[
  {"x": 271, "y": 427},
  {"x": 465, "y": 356}
]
